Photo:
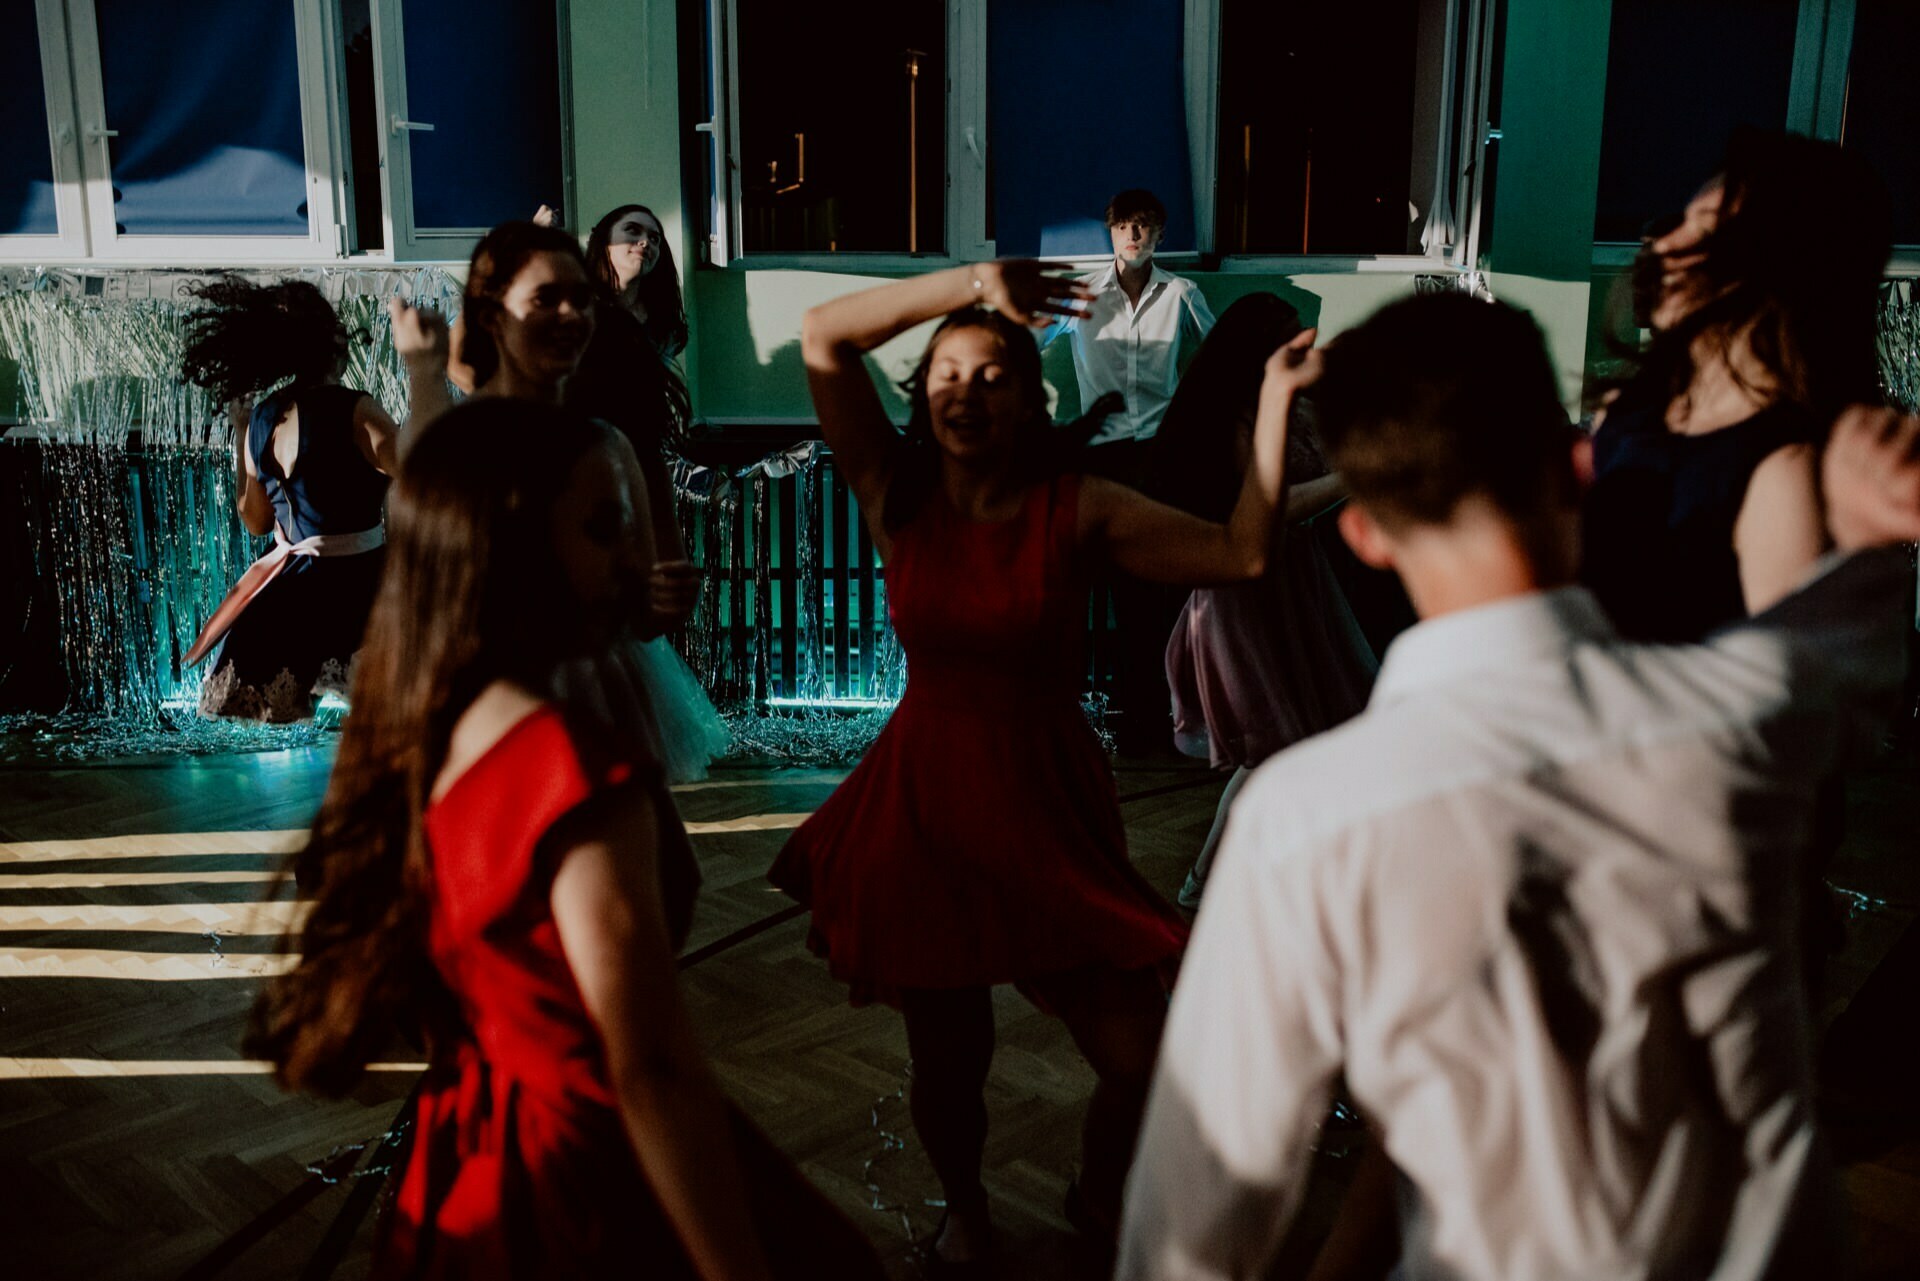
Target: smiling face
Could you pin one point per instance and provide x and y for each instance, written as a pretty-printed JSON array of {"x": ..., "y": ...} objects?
[
  {"x": 633, "y": 246},
  {"x": 544, "y": 319},
  {"x": 976, "y": 404}
]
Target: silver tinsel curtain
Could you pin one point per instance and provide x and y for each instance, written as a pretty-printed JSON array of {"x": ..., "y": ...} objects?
[{"x": 129, "y": 519}]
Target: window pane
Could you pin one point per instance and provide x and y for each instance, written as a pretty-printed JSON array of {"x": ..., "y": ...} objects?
[
  {"x": 207, "y": 102},
  {"x": 363, "y": 125},
  {"x": 486, "y": 75},
  {"x": 1063, "y": 146},
  {"x": 26, "y": 156},
  {"x": 1316, "y": 127},
  {"x": 1681, "y": 74},
  {"x": 828, "y": 162},
  {"x": 1882, "y": 120}
]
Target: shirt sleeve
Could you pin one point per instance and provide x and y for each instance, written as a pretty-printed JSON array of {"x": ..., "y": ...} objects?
[
  {"x": 1246, "y": 1067},
  {"x": 1199, "y": 315}
]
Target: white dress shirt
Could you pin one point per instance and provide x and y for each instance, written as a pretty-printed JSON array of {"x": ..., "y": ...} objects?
[
  {"x": 1133, "y": 350},
  {"x": 1539, "y": 904}
]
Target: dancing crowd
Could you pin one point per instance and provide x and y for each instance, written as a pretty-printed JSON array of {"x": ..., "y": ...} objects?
[{"x": 1533, "y": 892}]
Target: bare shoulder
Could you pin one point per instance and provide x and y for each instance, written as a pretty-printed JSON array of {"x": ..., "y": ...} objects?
[
  {"x": 1789, "y": 474},
  {"x": 500, "y": 707}
]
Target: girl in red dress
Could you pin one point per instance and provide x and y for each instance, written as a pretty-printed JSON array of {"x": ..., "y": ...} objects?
[
  {"x": 511, "y": 889},
  {"x": 979, "y": 842}
]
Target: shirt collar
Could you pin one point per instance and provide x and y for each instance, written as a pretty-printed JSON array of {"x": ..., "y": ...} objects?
[
  {"x": 1489, "y": 639},
  {"x": 1108, "y": 277}
]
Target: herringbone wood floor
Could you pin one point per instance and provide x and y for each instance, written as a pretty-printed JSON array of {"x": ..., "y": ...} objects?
[{"x": 134, "y": 1145}]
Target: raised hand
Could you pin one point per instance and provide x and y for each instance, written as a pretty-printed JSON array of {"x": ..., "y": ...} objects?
[
  {"x": 546, "y": 216},
  {"x": 1029, "y": 292},
  {"x": 676, "y": 589},
  {"x": 419, "y": 336},
  {"x": 1294, "y": 367},
  {"x": 1871, "y": 477}
]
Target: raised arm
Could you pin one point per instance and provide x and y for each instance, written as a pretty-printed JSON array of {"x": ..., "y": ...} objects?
[
  {"x": 420, "y": 340},
  {"x": 836, "y": 335},
  {"x": 1154, "y": 541},
  {"x": 613, "y": 929}
]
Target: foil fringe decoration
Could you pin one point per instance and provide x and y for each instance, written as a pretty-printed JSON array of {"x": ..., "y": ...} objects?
[{"x": 130, "y": 516}]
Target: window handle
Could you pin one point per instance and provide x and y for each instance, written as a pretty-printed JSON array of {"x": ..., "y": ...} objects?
[
  {"x": 973, "y": 145},
  {"x": 415, "y": 126},
  {"x": 101, "y": 131}
]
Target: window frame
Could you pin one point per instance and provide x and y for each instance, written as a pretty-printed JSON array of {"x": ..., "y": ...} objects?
[
  {"x": 75, "y": 92},
  {"x": 1461, "y": 140},
  {"x": 107, "y": 244},
  {"x": 69, "y": 239},
  {"x": 404, "y": 240},
  {"x": 966, "y": 182}
]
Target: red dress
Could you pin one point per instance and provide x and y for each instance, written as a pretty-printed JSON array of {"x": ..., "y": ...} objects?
[
  {"x": 520, "y": 1165},
  {"x": 979, "y": 841}
]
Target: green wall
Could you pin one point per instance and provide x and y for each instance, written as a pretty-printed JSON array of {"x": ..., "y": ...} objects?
[{"x": 744, "y": 362}]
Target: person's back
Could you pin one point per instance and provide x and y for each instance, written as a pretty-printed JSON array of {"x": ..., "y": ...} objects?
[
  {"x": 1538, "y": 902},
  {"x": 1571, "y": 1007}
]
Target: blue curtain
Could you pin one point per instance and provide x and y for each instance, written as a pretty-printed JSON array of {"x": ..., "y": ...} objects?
[
  {"x": 207, "y": 103},
  {"x": 486, "y": 75},
  {"x": 26, "y": 156},
  {"x": 1087, "y": 99}
]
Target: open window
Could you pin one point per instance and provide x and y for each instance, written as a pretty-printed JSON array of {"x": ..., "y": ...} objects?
[
  {"x": 1359, "y": 139},
  {"x": 469, "y": 118}
]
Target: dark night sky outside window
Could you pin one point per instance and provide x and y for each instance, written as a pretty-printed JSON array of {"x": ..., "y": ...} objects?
[
  {"x": 1681, "y": 74},
  {"x": 1316, "y": 127},
  {"x": 1883, "y": 108},
  {"x": 838, "y": 75}
]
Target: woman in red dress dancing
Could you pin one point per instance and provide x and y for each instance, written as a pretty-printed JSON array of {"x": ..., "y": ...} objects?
[
  {"x": 979, "y": 841},
  {"x": 497, "y": 880}
]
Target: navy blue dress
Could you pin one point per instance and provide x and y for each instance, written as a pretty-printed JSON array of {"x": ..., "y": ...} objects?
[
  {"x": 295, "y": 641},
  {"x": 1658, "y": 540}
]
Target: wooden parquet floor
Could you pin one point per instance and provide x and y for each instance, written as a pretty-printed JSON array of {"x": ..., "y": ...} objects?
[{"x": 135, "y": 1142}]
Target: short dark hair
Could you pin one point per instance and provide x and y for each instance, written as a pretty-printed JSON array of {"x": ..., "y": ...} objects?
[
  {"x": 1136, "y": 204},
  {"x": 1442, "y": 397}
]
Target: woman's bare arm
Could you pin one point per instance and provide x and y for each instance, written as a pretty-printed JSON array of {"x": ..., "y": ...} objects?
[
  {"x": 613, "y": 929},
  {"x": 1781, "y": 530},
  {"x": 249, "y": 495},
  {"x": 1154, "y": 541},
  {"x": 836, "y": 335}
]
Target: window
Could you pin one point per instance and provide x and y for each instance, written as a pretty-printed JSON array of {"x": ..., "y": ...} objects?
[
  {"x": 1319, "y": 108},
  {"x": 1364, "y": 151},
  {"x": 241, "y": 131},
  {"x": 854, "y": 161},
  {"x": 1881, "y": 118},
  {"x": 1681, "y": 75}
]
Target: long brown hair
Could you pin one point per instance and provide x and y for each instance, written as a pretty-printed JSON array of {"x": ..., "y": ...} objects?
[
  {"x": 1792, "y": 269},
  {"x": 472, "y": 593},
  {"x": 659, "y": 289}
]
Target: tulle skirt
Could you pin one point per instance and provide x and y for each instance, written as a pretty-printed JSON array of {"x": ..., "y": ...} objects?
[
  {"x": 645, "y": 688},
  {"x": 1256, "y": 667}
]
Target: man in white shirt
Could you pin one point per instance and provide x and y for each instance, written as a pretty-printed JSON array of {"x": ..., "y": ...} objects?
[
  {"x": 1538, "y": 902},
  {"x": 1130, "y": 340},
  {"x": 1128, "y": 346}
]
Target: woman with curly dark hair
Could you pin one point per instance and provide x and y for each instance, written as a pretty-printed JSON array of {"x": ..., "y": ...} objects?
[
  {"x": 311, "y": 466},
  {"x": 632, "y": 264}
]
